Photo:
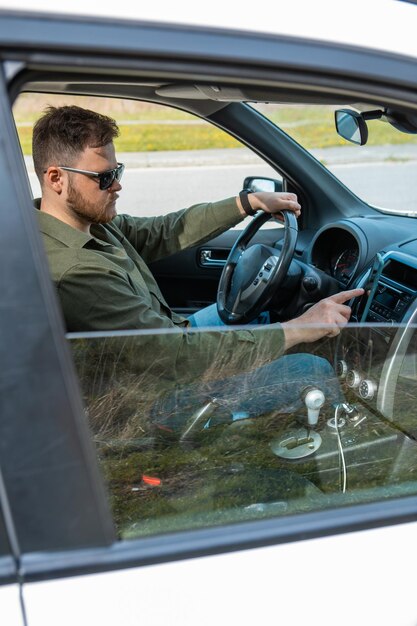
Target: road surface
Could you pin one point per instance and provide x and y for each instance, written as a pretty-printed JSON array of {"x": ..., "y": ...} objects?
[{"x": 156, "y": 183}]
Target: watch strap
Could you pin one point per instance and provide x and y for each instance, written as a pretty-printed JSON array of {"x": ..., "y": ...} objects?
[{"x": 244, "y": 200}]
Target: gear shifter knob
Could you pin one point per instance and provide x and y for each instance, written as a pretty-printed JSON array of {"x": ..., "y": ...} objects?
[{"x": 313, "y": 399}]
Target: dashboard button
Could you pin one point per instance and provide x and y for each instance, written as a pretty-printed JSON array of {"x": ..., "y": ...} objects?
[
  {"x": 367, "y": 389},
  {"x": 353, "y": 379},
  {"x": 341, "y": 368}
]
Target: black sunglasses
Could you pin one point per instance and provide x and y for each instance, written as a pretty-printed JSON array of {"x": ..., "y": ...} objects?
[{"x": 106, "y": 179}]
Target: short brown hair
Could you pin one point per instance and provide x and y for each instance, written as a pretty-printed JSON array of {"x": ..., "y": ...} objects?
[{"x": 62, "y": 133}]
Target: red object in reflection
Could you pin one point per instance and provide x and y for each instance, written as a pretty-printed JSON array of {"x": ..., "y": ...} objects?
[{"x": 151, "y": 480}]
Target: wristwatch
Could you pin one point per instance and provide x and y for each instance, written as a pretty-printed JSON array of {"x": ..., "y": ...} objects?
[{"x": 243, "y": 195}]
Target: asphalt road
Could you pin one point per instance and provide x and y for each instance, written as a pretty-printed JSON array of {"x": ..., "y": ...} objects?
[{"x": 155, "y": 183}]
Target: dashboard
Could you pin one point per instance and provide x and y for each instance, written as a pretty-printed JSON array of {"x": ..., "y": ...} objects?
[
  {"x": 345, "y": 249},
  {"x": 376, "y": 355}
]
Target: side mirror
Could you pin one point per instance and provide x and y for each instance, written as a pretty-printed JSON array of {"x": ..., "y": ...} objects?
[
  {"x": 351, "y": 126},
  {"x": 255, "y": 183}
]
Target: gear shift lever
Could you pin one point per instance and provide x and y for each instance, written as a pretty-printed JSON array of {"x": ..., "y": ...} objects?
[
  {"x": 313, "y": 399},
  {"x": 301, "y": 442}
]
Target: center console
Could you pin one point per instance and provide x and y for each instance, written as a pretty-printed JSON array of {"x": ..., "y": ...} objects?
[{"x": 370, "y": 356}]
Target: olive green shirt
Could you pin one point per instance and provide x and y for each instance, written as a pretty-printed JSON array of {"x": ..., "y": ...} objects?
[{"x": 104, "y": 284}]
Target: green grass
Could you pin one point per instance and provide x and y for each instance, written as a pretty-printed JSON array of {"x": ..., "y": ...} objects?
[
  {"x": 317, "y": 129},
  {"x": 154, "y": 137},
  {"x": 312, "y": 127}
]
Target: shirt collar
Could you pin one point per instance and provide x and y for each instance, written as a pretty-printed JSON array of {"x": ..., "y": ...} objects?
[{"x": 66, "y": 234}]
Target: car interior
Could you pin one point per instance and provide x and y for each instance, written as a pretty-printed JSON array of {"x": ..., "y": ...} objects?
[{"x": 224, "y": 466}]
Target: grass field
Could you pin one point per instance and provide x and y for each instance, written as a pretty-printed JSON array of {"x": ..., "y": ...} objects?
[{"x": 147, "y": 127}]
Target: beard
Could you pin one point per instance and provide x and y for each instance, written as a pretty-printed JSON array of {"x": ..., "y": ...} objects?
[{"x": 92, "y": 212}]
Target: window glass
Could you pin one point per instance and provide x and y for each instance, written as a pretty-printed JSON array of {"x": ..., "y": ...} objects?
[
  {"x": 381, "y": 172},
  {"x": 173, "y": 159},
  {"x": 194, "y": 427},
  {"x": 229, "y": 436}
]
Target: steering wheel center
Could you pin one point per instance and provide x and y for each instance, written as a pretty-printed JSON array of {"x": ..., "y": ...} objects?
[{"x": 252, "y": 274}]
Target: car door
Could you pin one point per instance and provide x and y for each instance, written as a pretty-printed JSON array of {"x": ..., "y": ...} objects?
[
  {"x": 215, "y": 526},
  {"x": 128, "y": 526}
]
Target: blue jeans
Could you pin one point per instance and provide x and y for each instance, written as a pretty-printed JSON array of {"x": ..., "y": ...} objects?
[
  {"x": 209, "y": 317},
  {"x": 273, "y": 387}
]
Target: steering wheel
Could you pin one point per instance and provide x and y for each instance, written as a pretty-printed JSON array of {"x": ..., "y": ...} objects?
[{"x": 253, "y": 274}]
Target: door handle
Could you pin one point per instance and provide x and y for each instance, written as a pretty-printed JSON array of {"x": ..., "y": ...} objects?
[{"x": 211, "y": 258}]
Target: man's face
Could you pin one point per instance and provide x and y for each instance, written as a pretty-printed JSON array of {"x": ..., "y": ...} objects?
[{"x": 84, "y": 196}]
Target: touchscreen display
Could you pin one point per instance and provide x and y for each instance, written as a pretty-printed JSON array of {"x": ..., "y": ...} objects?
[{"x": 388, "y": 299}]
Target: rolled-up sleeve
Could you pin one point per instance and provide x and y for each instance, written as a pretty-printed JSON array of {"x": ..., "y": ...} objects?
[{"x": 161, "y": 236}]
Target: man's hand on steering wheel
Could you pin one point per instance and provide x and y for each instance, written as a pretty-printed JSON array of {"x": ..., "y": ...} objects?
[{"x": 272, "y": 202}]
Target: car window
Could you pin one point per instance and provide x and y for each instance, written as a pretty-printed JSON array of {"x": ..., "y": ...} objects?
[
  {"x": 218, "y": 437},
  {"x": 389, "y": 155},
  {"x": 223, "y": 441},
  {"x": 173, "y": 159}
]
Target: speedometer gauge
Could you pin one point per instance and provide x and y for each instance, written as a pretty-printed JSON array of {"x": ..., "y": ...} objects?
[{"x": 345, "y": 264}]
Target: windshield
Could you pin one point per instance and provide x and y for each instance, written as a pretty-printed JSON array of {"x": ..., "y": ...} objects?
[{"x": 383, "y": 172}]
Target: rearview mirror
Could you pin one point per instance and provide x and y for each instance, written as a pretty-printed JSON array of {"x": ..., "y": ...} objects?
[{"x": 351, "y": 126}]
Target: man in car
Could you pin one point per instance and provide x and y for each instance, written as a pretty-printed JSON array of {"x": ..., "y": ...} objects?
[{"x": 98, "y": 261}]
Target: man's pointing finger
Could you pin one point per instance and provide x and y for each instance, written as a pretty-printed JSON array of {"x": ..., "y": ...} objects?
[{"x": 344, "y": 296}]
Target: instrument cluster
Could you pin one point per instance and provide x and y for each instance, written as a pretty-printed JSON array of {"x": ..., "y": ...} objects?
[{"x": 336, "y": 251}]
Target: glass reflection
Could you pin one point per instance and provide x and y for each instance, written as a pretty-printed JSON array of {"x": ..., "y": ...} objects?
[
  {"x": 348, "y": 127},
  {"x": 176, "y": 457}
]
